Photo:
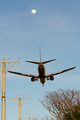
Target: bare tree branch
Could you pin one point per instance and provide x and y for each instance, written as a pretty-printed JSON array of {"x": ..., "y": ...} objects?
[{"x": 60, "y": 101}]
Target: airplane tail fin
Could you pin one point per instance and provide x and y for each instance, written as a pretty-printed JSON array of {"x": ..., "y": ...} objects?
[
  {"x": 33, "y": 61},
  {"x": 45, "y": 61},
  {"x": 40, "y": 60},
  {"x": 48, "y": 61},
  {"x": 40, "y": 53}
]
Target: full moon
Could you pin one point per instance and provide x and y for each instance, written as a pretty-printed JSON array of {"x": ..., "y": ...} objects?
[{"x": 33, "y": 11}]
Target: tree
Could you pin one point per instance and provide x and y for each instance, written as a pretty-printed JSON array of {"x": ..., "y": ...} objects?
[
  {"x": 61, "y": 102},
  {"x": 74, "y": 114},
  {"x": 68, "y": 116}
]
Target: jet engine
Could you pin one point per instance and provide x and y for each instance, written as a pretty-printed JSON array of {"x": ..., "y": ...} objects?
[
  {"x": 51, "y": 78},
  {"x": 32, "y": 79}
]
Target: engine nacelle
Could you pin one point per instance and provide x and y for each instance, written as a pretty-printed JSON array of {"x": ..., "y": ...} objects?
[
  {"x": 51, "y": 78},
  {"x": 32, "y": 79},
  {"x": 47, "y": 78}
]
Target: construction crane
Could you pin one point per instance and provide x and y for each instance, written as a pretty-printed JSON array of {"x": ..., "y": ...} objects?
[
  {"x": 19, "y": 104},
  {"x": 3, "y": 96}
]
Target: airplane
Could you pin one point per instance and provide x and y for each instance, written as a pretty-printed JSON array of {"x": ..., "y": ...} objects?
[{"x": 41, "y": 72}]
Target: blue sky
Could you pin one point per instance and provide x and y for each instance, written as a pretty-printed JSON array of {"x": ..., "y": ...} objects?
[{"x": 56, "y": 28}]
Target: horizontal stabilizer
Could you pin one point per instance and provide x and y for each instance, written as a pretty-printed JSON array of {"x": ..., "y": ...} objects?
[
  {"x": 32, "y": 62},
  {"x": 48, "y": 61}
]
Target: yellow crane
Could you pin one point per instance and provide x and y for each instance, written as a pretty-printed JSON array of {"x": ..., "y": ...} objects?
[
  {"x": 19, "y": 104},
  {"x": 3, "y": 96}
]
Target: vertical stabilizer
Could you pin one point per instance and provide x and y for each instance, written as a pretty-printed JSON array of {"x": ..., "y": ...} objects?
[{"x": 40, "y": 53}]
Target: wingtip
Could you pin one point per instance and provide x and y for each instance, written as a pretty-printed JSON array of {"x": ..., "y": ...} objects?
[
  {"x": 75, "y": 67},
  {"x": 54, "y": 59}
]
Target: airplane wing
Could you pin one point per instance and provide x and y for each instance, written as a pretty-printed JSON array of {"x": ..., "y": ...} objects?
[
  {"x": 56, "y": 73},
  {"x": 23, "y": 74}
]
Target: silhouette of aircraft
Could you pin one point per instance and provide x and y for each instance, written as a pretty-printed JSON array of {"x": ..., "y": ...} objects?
[{"x": 41, "y": 72}]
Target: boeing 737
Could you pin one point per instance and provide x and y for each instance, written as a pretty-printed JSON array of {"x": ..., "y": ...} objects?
[{"x": 41, "y": 72}]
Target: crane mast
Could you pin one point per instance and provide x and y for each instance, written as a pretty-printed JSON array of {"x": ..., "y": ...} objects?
[
  {"x": 19, "y": 104},
  {"x": 3, "y": 96}
]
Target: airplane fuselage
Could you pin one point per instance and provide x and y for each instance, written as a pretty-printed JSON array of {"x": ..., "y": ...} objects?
[{"x": 41, "y": 71}]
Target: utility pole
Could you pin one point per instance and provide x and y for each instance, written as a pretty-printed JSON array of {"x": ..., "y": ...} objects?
[
  {"x": 3, "y": 97},
  {"x": 19, "y": 104},
  {"x": 34, "y": 118}
]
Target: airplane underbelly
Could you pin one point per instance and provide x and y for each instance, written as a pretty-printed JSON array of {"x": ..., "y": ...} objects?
[
  {"x": 41, "y": 71},
  {"x": 42, "y": 80}
]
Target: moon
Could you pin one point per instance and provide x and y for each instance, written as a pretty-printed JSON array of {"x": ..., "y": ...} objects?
[{"x": 33, "y": 11}]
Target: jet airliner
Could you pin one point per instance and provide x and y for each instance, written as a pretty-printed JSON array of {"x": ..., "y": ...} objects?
[{"x": 41, "y": 72}]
